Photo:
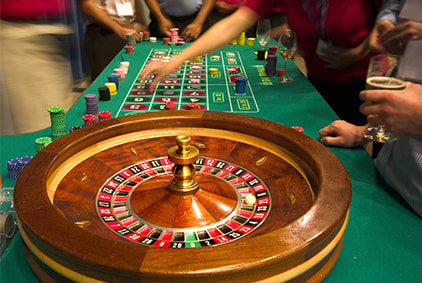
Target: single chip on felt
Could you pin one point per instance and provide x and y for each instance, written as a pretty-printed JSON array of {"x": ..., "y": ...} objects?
[
  {"x": 297, "y": 128},
  {"x": 193, "y": 106},
  {"x": 170, "y": 105}
]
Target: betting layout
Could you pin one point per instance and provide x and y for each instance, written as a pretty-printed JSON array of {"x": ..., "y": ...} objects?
[{"x": 205, "y": 83}]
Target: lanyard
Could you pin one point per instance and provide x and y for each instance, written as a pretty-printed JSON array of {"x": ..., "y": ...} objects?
[{"x": 316, "y": 10}]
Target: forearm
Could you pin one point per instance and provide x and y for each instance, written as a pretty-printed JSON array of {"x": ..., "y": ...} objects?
[
  {"x": 155, "y": 10},
  {"x": 390, "y": 11},
  {"x": 89, "y": 8},
  {"x": 363, "y": 48},
  {"x": 139, "y": 13},
  {"x": 219, "y": 35},
  {"x": 205, "y": 10}
]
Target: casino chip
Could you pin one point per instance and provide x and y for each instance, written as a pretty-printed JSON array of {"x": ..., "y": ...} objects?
[
  {"x": 297, "y": 128},
  {"x": 104, "y": 93},
  {"x": 240, "y": 84},
  {"x": 233, "y": 70},
  {"x": 213, "y": 71},
  {"x": 89, "y": 119},
  {"x": 16, "y": 165},
  {"x": 58, "y": 122},
  {"x": 42, "y": 142},
  {"x": 91, "y": 103},
  {"x": 193, "y": 106},
  {"x": 170, "y": 105},
  {"x": 74, "y": 128},
  {"x": 111, "y": 88},
  {"x": 104, "y": 115}
]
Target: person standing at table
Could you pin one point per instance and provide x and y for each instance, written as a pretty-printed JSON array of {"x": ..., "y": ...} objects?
[
  {"x": 333, "y": 37},
  {"x": 189, "y": 16},
  {"x": 333, "y": 40},
  {"x": 108, "y": 23},
  {"x": 399, "y": 162},
  {"x": 35, "y": 73}
]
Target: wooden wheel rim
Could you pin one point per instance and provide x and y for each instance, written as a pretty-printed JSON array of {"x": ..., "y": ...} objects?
[{"x": 301, "y": 238}]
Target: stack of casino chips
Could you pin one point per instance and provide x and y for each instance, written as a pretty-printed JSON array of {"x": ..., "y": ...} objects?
[
  {"x": 170, "y": 105},
  {"x": 111, "y": 88},
  {"x": 213, "y": 71},
  {"x": 271, "y": 65},
  {"x": 131, "y": 40},
  {"x": 272, "y": 50},
  {"x": 261, "y": 54},
  {"x": 58, "y": 122},
  {"x": 146, "y": 36},
  {"x": 16, "y": 165},
  {"x": 89, "y": 119},
  {"x": 250, "y": 41},
  {"x": 104, "y": 115},
  {"x": 104, "y": 93},
  {"x": 129, "y": 49},
  {"x": 113, "y": 79},
  {"x": 120, "y": 71},
  {"x": 42, "y": 142},
  {"x": 193, "y": 106},
  {"x": 124, "y": 65},
  {"x": 240, "y": 85},
  {"x": 174, "y": 35},
  {"x": 91, "y": 102},
  {"x": 241, "y": 39}
]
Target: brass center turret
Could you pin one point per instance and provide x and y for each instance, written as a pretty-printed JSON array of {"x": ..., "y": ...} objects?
[{"x": 183, "y": 155}]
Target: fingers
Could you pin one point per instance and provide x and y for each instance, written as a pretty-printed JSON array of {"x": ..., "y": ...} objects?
[
  {"x": 332, "y": 141},
  {"x": 152, "y": 71}
]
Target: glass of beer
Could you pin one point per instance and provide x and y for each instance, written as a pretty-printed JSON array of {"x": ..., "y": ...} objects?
[{"x": 381, "y": 75}]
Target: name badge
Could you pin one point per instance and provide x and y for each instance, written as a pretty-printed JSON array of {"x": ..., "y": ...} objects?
[{"x": 124, "y": 8}]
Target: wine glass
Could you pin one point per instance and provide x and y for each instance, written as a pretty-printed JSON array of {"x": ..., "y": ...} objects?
[
  {"x": 381, "y": 71},
  {"x": 287, "y": 46},
  {"x": 263, "y": 32}
]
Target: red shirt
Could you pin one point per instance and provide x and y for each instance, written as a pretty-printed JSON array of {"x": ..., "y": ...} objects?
[
  {"x": 347, "y": 24},
  {"x": 33, "y": 9}
]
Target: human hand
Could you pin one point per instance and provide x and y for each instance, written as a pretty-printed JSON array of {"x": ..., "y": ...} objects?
[
  {"x": 157, "y": 71},
  {"x": 342, "y": 133},
  {"x": 379, "y": 29},
  {"x": 165, "y": 25},
  {"x": 338, "y": 57},
  {"x": 399, "y": 110},
  {"x": 395, "y": 40},
  {"x": 122, "y": 33},
  {"x": 192, "y": 31},
  {"x": 142, "y": 27}
]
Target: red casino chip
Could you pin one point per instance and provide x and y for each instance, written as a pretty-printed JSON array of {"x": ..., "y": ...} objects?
[
  {"x": 193, "y": 106},
  {"x": 104, "y": 115},
  {"x": 89, "y": 119},
  {"x": 171, "y": 105},
  {"x": 297, "y": 128}
]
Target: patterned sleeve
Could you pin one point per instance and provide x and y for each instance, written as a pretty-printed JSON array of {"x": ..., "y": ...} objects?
[{"x": 390, "y": 10}]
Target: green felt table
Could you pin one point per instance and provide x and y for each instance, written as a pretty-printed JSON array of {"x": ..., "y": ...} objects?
[{"x": 383, "y": 237}]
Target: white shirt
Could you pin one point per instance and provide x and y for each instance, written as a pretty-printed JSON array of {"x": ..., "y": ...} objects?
[{"x": 400, "y": 164}]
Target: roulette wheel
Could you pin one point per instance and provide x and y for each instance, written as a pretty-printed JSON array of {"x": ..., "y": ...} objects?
[{"x": 183, "y": 196}]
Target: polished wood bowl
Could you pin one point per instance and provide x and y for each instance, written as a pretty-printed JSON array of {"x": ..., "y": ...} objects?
[{"x": 300, "y": 239}]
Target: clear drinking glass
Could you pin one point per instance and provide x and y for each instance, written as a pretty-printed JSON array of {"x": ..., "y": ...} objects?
[
  {"x": 263, "y": 32},
  {"x": 287, "y": 46},
  {"x": 381, "y": 72}
]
